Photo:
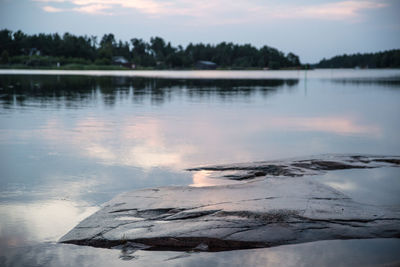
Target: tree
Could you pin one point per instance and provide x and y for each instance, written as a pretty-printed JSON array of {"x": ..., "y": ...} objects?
[
  {"x": 386, "y": 59},
  {"x": 293, "y": 59},
  {"x": 157, "y": 46},
  {"x": 141, "y": 53},
  {"x": 4, "y": 57},
  {"x": 107, "y": 45},
  {"x": 70, "y": 48},
  {"x": 6, "y": 41}
]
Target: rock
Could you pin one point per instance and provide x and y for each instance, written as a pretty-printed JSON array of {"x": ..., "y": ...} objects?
[
  {"x": 300, "y": 166},
  {"x": 284, "y": 207}
]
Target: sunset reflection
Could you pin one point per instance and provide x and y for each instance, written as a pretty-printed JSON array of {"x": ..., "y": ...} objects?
[{"x": 206, "y": 178}]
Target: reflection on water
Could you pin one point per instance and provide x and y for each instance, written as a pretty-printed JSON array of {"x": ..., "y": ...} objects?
[
  {"x": 39, "y": 221},
  {"x": 372, "y": 186},
  {"x": 76, "y": 91},
  {"x": 69, "y": 143},
  {"x": 338, "y": 125},
  {"x": 209, "y": 178},
  {"x": 375, "y": 252}
]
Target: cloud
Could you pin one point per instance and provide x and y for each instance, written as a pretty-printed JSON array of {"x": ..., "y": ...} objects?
[
  {"x": 223, "y": 11},
  {"x": 338, "y": 10},
  {"x": 98, "y": 9},
  {"x": 50, "y": 1},
  {"x": 51, "y": 9}
]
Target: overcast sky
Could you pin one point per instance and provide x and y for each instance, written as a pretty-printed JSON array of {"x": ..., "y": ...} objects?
[{"x": 312, "y": 29}]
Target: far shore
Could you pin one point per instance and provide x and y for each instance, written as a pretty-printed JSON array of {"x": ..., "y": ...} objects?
[
  {"x": 359, "y": 75},
  {"x": 116, "y": 67}
]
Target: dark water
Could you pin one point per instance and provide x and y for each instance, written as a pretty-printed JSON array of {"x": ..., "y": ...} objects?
[{"x": 71, "y": 142}]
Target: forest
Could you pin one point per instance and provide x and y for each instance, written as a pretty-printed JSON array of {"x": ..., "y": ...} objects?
[
  {"x": 386, "y": 59},
  {"x": 53, "y": 50}
]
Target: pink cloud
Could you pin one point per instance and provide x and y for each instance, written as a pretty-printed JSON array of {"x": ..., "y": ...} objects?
[
  {"x": 51, "y": 9},
  {"x": 339, "y": 10},
  {"x": 97, "y": 9},
  {"x": 224, "y": 11}
]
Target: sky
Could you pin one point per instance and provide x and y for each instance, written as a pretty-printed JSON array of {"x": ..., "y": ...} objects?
[{"x": 312, "y": 29}]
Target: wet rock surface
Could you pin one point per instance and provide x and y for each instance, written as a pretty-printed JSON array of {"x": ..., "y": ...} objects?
[
  {"x": 276, "y": 203},
  {"x": 300, "y": 166}
]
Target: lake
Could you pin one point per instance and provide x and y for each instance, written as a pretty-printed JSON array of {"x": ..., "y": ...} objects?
[{"x": 72, "y": 140}]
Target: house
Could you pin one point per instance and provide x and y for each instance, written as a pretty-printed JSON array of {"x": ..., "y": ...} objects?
[
  {"x": 205, "y": 65},
  {"x": 34, "y": 52},
  {"x": 121, "y": 61}
]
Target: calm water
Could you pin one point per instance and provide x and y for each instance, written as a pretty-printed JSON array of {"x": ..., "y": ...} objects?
[{"x": 70, "y": 141}]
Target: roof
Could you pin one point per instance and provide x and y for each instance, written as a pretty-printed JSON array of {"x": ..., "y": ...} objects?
[
  {"x": 204, "y": 62},
  {"x": 120, "y": 59}
]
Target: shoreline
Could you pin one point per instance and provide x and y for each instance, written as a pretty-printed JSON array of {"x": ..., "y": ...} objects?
[{"x": 374, "y": 75}]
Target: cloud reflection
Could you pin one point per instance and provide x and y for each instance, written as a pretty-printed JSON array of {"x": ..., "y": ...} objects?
[
  {"x": 140, "y": 142},
  {"x": 155, "y": 143},
  {"x": 149, "y": 142},
  {"x": 39, "y": 221},
  {"x": 177, "y": 134},
  {"x": 334, "y": 125},
  {"x": 343, "y": 185}
]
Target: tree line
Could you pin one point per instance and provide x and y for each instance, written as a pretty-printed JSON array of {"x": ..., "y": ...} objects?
[
  {"x": 386, "y": 59},
  {"x": 50, "y": 49}
]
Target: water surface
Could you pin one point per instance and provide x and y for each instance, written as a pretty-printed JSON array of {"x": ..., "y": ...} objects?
[{"x": 69, "y": 141}]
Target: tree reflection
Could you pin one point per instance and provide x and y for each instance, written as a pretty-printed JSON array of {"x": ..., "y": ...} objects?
[{"x": 79, "y": 91}]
